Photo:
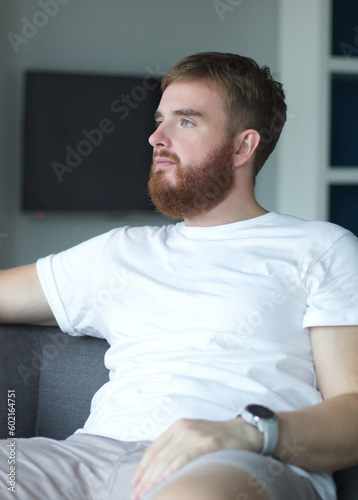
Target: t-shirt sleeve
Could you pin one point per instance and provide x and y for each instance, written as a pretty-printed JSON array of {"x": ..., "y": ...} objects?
[
  {"x": 332, "y": 285},
  {"x": 67, "y": 280}
]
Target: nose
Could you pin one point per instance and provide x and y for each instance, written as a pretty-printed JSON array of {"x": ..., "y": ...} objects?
[{"x": 160, "y": 138}]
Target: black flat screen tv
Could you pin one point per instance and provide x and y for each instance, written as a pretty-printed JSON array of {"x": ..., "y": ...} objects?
[{"x": 86, "y": 141}]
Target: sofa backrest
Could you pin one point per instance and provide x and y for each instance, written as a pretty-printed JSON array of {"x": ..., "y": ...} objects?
[
  {"x": 18, "y": 374},
  {"x": 73, "y": 370},
  {"x": 54, "y": 377}
]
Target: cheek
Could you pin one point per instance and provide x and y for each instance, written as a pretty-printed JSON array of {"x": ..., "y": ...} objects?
[
  {"x": 193, "y": 151},
  {"x": 194, "y": 147}
]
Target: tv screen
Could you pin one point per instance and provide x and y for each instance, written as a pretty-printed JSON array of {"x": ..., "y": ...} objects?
[{"x": 86, "y": 141}]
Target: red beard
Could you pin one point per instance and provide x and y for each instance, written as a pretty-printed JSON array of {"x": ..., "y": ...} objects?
[{"x": 197, "y": 188}]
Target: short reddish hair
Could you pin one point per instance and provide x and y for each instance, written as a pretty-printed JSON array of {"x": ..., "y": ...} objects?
[{"x": 253, "y": 98}]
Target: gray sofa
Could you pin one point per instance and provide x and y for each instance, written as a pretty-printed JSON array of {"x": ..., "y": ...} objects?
[{"x": 55, "y": 376}]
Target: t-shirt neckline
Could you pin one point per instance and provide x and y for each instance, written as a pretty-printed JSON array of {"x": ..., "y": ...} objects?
[{"x": 215, "y": 231}]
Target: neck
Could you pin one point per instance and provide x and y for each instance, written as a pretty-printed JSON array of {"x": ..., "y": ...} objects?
[{"x": 239, "y": 205}]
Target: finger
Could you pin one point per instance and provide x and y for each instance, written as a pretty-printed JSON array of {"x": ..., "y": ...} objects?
[
  {"x": 150, "y": 454},
  {"x": 166, "y": 463},
  {"x": 164, "y": 469},
  {"x": 155, "y": 463}
]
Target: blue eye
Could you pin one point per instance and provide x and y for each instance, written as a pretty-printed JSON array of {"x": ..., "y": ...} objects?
[{"x": 186, "y": 123}]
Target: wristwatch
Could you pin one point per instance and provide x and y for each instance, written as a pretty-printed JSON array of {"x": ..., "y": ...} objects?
[{"x": 266, "y": 421}]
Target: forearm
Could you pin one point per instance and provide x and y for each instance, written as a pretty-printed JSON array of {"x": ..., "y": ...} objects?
[{"x": 323, "y": 437}]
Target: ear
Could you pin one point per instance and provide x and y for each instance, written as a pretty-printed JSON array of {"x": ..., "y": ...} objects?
[{"x": 246, "y": 143}]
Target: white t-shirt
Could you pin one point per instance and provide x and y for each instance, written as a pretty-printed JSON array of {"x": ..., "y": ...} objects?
[{"x": 204, "y": 320}]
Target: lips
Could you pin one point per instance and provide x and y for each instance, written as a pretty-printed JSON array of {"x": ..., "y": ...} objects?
[{"x": 162, "y": 162}]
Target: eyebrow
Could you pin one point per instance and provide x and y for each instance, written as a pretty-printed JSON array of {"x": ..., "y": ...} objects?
[{"x": 180, "y": 112}]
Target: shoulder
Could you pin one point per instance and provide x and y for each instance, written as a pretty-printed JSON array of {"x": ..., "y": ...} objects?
[
  {"x": 125, "y": 239},
  {"x": 143, "y": 233},
  {"x": 310, "y": 230},
  {"x": 308, "y": 241}
]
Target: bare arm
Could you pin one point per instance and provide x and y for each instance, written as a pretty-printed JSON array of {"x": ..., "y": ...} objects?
[
  {"x": 326, "y": 435},
  {"x": 22, "y": 299}
]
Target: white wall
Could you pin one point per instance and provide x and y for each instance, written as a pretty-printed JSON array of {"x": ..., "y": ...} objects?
[
  {"x": 115, "y": 36},
  {"x": 301, "y": 157}
]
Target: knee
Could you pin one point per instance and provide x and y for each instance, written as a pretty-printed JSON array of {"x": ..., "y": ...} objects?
[
  {"x": 210, "y": 483},
  {"x": 183, "y": 490}
]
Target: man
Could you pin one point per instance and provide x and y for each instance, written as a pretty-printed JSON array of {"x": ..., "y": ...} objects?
[{"x": 239, "y": 320}]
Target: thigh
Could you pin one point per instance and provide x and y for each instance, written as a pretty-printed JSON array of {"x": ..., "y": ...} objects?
[
  {"x": 235, "y": 475},
  {"x": 82, "y": 467}
]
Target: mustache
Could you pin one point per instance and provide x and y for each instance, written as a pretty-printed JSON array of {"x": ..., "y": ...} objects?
[{"x": 166, "y": 154}]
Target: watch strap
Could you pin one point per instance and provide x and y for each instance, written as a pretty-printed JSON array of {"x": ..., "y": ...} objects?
[
  {"x": 271, "y": 435},
  {"x": 268, "y": 426}
]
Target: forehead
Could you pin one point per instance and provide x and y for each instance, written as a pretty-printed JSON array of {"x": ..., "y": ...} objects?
[{"x": 205, "y": 98}]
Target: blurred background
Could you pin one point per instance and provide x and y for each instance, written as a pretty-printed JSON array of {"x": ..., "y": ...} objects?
[{"x": 311, "y": 46}]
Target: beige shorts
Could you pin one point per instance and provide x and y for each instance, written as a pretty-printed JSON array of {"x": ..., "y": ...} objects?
[{"x": 87, "y": 467}]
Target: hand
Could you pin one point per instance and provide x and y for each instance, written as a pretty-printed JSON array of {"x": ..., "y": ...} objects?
[{"x": 187, "y": 439}]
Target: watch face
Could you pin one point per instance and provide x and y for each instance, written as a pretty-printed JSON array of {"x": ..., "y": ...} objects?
[{"x": 260, "y": 411}]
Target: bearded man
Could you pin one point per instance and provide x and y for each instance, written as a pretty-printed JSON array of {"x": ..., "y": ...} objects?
[{"x": 242, "y": 320}]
